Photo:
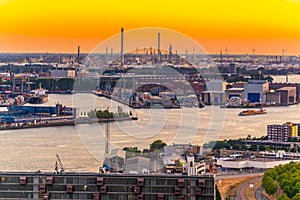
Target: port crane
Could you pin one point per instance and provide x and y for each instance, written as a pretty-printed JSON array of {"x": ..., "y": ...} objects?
[
  {"x": 58, "y": 162},
  {"x": 12, "y": 78}
]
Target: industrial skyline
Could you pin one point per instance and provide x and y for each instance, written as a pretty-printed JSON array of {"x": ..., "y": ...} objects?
[{"x": 269, "y": 27}]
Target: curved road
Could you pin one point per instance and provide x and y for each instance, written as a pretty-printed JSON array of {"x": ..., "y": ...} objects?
[
  {"x": 259, "y": 195},
  {"x": 242, "y": 189}
]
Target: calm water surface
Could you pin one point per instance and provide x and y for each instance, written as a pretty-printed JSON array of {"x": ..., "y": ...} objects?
[{"x": 81, "y": 147}]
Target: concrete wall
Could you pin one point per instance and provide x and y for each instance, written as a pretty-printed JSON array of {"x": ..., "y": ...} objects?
[{"x": 273, "y": 97}]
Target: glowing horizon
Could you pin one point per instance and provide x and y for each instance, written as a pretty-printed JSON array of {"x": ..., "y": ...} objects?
[{"x": 239, "y": 26}]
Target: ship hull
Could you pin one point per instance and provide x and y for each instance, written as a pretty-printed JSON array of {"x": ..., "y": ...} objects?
[
  {"x": 252, "y": 112},
  {"x": 38, "y": 99}
]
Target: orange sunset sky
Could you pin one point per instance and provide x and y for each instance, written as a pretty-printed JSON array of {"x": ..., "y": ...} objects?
[{"x": 239, "y": 25}]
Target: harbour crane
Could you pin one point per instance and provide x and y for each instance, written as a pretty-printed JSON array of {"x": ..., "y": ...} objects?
[
  {"x": 58, "y": 162},
  {"x": 226, "y": 51},
  {"x": 12, "y": 79},
  {"x": 283, "y": 50},
  {"x": 29, "y": 61}
]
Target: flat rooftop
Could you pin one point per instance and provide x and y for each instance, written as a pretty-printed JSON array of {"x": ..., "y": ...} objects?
[{"x": 286, "y": 89}]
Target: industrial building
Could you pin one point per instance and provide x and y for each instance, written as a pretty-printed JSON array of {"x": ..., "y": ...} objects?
[
  {"x": 137, "y": 164},
  {"x": 257, "y": 163},
  {"x": 255, "y": 91},
  {"x": 287, "y": 95},
  {"x": 106, "y": 186},
  {"x": 215, "y": 92},
  {"x": 234, "y": 92},
  {"x": 21, "y": 115},
  {"x": 275, "y": 86},
  {"x": 116, "y": 160},
  {"x": 274, "y": 144}
]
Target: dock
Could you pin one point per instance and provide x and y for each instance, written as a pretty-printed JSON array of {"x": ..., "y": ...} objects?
[{"x": 66, "y": 122}]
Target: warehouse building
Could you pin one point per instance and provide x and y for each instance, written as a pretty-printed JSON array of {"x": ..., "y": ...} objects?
[{"x": 255, "y": 91}]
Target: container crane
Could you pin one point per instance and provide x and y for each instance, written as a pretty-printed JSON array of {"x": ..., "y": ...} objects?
[
  {"x": 12, "y": 79},
  {"x": 58, "y": 162}
]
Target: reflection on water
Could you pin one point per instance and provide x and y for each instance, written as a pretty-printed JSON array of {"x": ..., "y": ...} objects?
[{"x": 81, "y": 147}]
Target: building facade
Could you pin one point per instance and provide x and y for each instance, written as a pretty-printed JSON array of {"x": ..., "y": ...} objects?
[
  {"x": 282, "y": 132},
  {"x": 255, "y": 91},
  {"x": 106, "y": 186},
  {"x": 215, "y": 92},
  {"x": 287, "y": 95}
]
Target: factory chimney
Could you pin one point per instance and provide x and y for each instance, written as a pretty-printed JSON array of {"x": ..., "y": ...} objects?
[
  {"x": 106, "y": 54},
  {"x": 158, "y": 46},
  {"x": 122, "y": 46},
  {"x": 170, "y": 53},
  {"x": 78, "y": 54}
]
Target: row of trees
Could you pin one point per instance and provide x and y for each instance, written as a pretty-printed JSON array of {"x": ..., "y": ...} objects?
[
  {"x": 237, "y": 144},
  {"x": 285, "y": 177},
  {"x": 105, "y": 114},
  {"x": 154, "y": 146},
  {"x": 100, "y": 114}
]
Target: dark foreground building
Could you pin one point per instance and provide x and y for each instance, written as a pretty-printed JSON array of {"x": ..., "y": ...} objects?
[{"x": 106, "y": 186}]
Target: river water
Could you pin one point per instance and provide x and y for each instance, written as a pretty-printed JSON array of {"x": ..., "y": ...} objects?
[{"x": 81, "y": 147}]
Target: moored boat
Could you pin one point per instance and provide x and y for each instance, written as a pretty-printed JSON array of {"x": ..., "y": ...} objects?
[
  {"x": 38, "y": 96},
  {"x": 253, "y": 112}
]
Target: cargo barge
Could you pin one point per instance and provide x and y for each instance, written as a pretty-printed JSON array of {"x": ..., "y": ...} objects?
[
  {"x": 252, "y": 112},
  {"x": 97, "y": 186}
]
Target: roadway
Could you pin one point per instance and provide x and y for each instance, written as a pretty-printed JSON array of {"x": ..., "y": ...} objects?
[
  {"x": 258, "y": 193},
  {"x": 242, "y": 189},
  {"x": 237, "y": 175}
]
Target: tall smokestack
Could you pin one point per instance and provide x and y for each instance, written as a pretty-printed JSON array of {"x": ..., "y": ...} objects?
[
  {"x": 221, "y": 56},
  {"x": 158, "y": 46},
  {"x": 170, "y": 53},
  {"x": 106, "y": 54},
  {"x": 122, "y": 46},
  {"x": 78, "y": 54}
]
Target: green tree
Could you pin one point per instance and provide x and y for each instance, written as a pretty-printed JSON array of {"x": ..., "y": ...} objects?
[
  {"x": 269, "y": 79},
  {"x": 262, "y": 148},
  {"x": 218, "y": 194},
  {"x": 296, "y": 197},
  {"x": 253, "y": 147},
  {"x": 157, "y": 145},
  {"x": 132, "y": 149},
  {"x": 283, "y": 197}
]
